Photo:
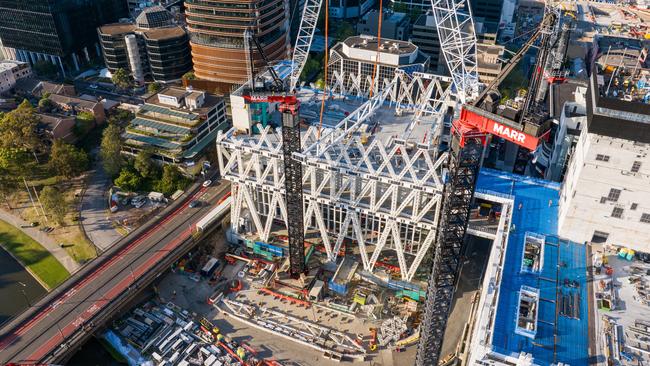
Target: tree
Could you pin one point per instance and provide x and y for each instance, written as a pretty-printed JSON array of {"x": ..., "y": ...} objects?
[
  {"x": 54, "y": 203},
  {"x": 110, "y": 149},
  {"x": 18, "y": 128},
  {"x": 8, "y": 185},
  {"x": 144, "y": 164},
  {"x": 66, "y": 160},
  {"x": 344, "y": 30},
  {"x": 85, "y": 121},
  {"x": 46, "y": 69},
  {"x": 128, "y": 180},
  {"x": 154, "y": 88},
  {"x": 121, "y": 79},
  {"x": 189, "y": 75},
  {"x": 45, "y": 104},
  {"x": 312, "y": 66},
  {"x": 171, "y": 180},
  {"x": 120, "y": 117}
]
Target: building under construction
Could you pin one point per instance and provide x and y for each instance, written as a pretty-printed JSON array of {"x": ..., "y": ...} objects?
[{"x": 382, "y": 177}]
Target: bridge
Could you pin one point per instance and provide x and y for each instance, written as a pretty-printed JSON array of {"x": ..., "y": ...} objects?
[{"x": 52, "y": 329}]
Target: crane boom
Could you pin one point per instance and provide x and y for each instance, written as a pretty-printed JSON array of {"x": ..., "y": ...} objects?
[
  {"x": 308, "y": 22},
  {"x": 458, "y": 45}
]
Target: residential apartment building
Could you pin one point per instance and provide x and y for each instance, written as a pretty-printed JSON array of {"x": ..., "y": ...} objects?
[
  {"x": 73, "y": 106},
  {"x": 152, "y": 47},
  {"x": 61, "y": 32},
  {"x": 56, "y": 126},
  {"x": 393, "y": 25},
  {"x": 11, "y": 72},
  {"x": 352, "y": 63},
  {"x": 178, "y": 124},
  {"x": 216, "y": 28},
  {"x": 606, "y": 192}
]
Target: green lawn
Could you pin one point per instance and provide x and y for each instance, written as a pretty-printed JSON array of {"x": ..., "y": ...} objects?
[{"x": 33, "y": 255}]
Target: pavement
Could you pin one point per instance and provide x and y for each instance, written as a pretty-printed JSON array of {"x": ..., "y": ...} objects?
[
  {"x": 94, "y": 214},
  {"x": 48, "y": 329},
  {"x": 48, "y": 243}
]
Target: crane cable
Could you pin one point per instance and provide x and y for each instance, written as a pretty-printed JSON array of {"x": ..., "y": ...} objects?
[
  {"x": 322, "y": 102},
  {"x": 374, "y": 69}
]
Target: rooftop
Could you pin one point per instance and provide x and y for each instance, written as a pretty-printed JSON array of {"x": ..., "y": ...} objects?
[
  {"x": 154, "y": 17},
  {"x": 164, "y": 33},
  {"x": 10, "y": 64},
  {"x": 153, "y": 104},
  {"x": 72, "y": 101},
  {"x": 117, "y": 28},
  {"x": 562, "y": 333},
  {"x": 392, "y": 46}
]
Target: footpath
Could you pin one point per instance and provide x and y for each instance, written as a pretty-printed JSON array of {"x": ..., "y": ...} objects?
[{"x": 42, "y": 238}]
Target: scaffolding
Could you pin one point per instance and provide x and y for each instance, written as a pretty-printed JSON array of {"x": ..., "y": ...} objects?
[{"x": 381, "y": 194}]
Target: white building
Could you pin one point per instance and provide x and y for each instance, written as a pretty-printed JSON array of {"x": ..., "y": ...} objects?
[
  {"x": 352, "y": 64},
  {"x": 606, "y": 193},
  {"x": 10, "y": 71}
]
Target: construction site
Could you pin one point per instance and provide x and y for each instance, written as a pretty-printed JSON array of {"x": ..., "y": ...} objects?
[{"x": 356, "y": 210}]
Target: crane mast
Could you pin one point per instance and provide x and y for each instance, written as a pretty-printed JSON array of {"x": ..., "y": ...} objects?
[{"x": 468, "y": 138}]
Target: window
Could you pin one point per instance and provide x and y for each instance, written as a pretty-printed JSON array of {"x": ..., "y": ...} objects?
[
  {"x": 634, "y": 206},
  {"x": 604, "y": 158},
  {"x": 617, "y": 212},
  {"x": 636, "y": 167},
  {"x": 645, "y": 218},
  {"x": 599, "y": 237},
  {"x": 603, "y": 199},
  {"x": 614, "y": 194}
]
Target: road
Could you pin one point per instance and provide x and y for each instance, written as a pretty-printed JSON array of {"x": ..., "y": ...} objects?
[
  {"x": 83, "y": 87},
  {"x": 94, "y": 211},
  {"x": 47, "y": 330}
]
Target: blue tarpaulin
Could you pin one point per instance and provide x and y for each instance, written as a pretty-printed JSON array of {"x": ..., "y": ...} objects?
[{"x": 559, "y": 338}]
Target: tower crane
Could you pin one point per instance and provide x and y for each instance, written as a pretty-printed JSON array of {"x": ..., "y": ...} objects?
[
  {"x": 469, "y": 136},
  {"x": 289, "y": 106}
]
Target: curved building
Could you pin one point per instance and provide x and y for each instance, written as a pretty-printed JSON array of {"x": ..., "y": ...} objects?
[
  {"x": 217, "y": 36},
  {"x": 152, "y": 46}
]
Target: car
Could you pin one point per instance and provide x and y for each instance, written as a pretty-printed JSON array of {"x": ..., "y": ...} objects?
[
  {"x": 93, "y": 86},
  {"x": 195, "y": 204},
  {"x": 207, "y": 183}
]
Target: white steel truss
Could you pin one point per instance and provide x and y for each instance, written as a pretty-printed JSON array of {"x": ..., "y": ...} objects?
[
  {"x": 303, "y": 41},
  {"x": 300, "y": 330},
  {"x": 458, "y": 44},
  {"x": 381, "y": 195}
]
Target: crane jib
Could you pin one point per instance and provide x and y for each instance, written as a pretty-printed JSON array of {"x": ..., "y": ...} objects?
[{"x": 490, "y": 125}]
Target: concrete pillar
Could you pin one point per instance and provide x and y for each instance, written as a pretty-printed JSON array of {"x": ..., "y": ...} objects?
[
  {"x": 61, "y": 65},
  {"x": 86, "y": 54},
  {"x": 53, "y": 60},
  {"x": 32, "y": 56},
  {"x": 98, "y": 50},
  {"x": 76, "y": 62}
]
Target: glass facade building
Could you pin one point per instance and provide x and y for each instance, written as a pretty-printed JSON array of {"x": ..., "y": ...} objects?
[
  {"x": 58, "y": 31},
  {"x": 153, "y": 46},
  {"x": 217, "y": 35}
]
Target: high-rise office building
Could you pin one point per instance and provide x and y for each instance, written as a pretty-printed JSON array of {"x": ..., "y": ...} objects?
[
  {"x": 217, "y": 36},
  {"x": 153, "y": 46},
  {"x": 58, "y": 31}
]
